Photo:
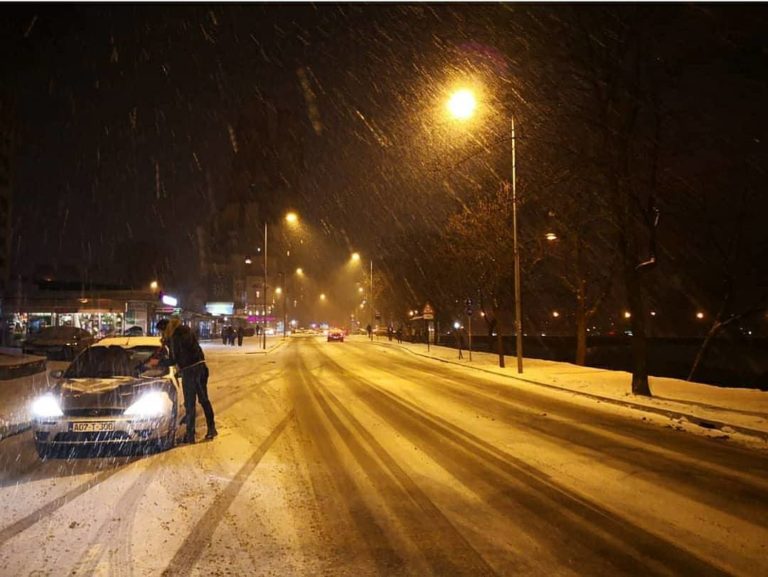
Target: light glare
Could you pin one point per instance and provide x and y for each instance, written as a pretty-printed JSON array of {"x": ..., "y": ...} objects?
[
  {"x": 462, "y": 104},
  {"x": 151, "y": 404},
  {"x": 46, "y": 406}
]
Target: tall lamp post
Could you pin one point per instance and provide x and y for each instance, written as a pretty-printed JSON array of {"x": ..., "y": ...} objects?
[
  {"x": 516, "y": 254},
  {"x": 264, "y": 327},
  {"x": 462, "y": 106},
  {"x": 356, "y": 258},
  {"x": 290, "y": 218},
  {"x": 372, "y": 311}
]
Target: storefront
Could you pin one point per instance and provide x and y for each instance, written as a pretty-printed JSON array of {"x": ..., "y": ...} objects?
[
  {"x": 104, "y": 314},
  {"x": 97, "y": 322}
]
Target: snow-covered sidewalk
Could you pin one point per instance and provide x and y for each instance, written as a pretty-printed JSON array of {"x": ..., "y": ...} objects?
[{"x": 723, "y": 410}]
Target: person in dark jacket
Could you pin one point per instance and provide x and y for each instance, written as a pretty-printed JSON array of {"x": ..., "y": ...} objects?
[{"x": 186, "y": 354}]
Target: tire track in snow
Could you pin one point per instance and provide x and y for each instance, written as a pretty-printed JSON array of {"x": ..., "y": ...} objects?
[
  {"x": 446, "y": 551},
  {"x": 52, "y": 506},
  {"x": 338, "y": 497},
  {"x": 194, "y": 545},
  {"x": 555, "y": 515},
  {"x": 120, "y": 564},
  {"x": 620, "y": 450}
]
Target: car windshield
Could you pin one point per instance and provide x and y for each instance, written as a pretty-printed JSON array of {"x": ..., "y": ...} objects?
[{"x": 114, "y": 361}]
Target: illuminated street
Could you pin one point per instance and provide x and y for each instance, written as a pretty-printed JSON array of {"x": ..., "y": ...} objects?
[{"x": 361, "y": 458}]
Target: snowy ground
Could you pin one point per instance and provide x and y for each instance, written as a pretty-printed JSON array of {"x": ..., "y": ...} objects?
[{"x": 363, "y": 458}]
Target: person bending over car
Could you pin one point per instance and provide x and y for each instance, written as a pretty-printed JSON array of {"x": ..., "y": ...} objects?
[{"x": 186, "y": 354}]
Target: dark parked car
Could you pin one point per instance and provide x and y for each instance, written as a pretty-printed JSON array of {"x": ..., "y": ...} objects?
[{"x": 58, "y": 343}]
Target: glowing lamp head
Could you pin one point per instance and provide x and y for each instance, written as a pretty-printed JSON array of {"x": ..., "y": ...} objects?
[{"x": 462, "y": 104}]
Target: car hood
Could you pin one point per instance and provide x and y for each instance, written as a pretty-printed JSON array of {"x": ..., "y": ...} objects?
[{"x": 113, "y": 392}]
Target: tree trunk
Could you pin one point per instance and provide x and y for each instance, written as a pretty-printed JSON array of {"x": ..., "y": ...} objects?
[
  {"x": 500, "y": 343},
  {"x": 499, "y": 340},
  {"x": 639, "y": 341},
  {"x": 581, "y": 325},
  {"x": 713, "y": 330}
]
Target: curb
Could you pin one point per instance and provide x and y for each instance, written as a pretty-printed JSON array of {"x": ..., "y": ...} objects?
[{"x": 701, "y": 422}]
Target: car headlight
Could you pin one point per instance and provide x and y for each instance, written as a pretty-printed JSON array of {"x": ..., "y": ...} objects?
[
  {"x": 46, "y": 406},
  {"x": 152, "y": 404}
]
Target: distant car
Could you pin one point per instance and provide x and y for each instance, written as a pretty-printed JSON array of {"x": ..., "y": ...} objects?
[
  {"x": 336, "y": 335},
  {"x": 107, "y": 397},
  {"x": 134, "y": 331},
  {"x": 58, "y": 343}
]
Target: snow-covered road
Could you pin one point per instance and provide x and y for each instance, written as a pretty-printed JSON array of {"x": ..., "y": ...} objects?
[{"x": 353, "y": 459}]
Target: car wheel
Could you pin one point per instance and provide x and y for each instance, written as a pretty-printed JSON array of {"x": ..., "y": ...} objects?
[{"x": 43, "y": 450}]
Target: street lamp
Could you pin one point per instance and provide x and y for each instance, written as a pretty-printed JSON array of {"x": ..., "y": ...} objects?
[
  {"x": 291, "y": 218},
  {"x": 264, "y": 326},
  {"x": 462, "y": 106},
  {"x": 356, "y": 258}
]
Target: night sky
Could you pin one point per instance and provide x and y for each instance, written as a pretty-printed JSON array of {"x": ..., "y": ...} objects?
[{"x": 134, "y": 124}]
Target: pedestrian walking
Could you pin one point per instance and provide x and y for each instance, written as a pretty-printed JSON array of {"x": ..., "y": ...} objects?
[
  {"x": 239, "y": 332},
  {"x": 186, "y": 354},
  {"x": 399, "y": 334}
]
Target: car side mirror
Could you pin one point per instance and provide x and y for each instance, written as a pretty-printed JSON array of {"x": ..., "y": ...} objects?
[{"x": 57, "y": 374}]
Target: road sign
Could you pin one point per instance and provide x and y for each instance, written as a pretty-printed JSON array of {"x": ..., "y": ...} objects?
[{"x": 428, "y": 313}]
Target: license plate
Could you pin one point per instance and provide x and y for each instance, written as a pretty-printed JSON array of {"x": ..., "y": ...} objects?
[{"x": 95, "y": 427}]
